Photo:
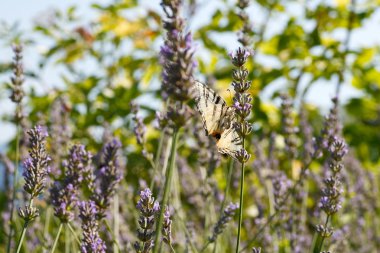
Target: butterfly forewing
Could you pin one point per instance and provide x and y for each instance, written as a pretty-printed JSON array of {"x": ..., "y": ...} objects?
[
  {"x": 212, "y": 107},
  {"x": 217, "y": 119}
]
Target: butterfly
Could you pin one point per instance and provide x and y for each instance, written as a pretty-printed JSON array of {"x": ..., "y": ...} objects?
[{"x": 218, "y": 119}]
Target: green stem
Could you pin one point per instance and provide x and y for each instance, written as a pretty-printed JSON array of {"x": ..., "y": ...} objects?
[
  {"x": 115, "y": 242},
  {"x": 168, "y": 179},
  {"x": 21, "y": 239},
  {"x": 157, "y": 160},
  {"x": 74, "y": 234},
  {"x": 240, "y": 205},
  {"x": 26, "y": 223},
  {"x": 56, "y": 238},
  {"x": 116, "y": 226},
  {"x": 187, "y": 234},
  {"x": 226, "y": 193},
  {"x": 321, "y": 238},
  {"x": 205, "y": 246},
  {"x": 67, "y": 240},
  {"x": 14, "y": 187}
]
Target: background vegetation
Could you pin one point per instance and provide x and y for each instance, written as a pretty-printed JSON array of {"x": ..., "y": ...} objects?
[{"x": 99, "y": 67}]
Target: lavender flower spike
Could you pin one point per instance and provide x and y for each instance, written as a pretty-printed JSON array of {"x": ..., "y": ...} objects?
[
  {"x": 229, "y": 212},
  {"x": 36, "y": 166},
  {"x": 91, "y": 242},
  {"x": 108, "y": 177},
  {"x": 149, "y": 209},
  {"x": 167, "y": 228}
]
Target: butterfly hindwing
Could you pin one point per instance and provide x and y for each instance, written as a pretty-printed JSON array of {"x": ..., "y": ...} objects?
[
  {"x": 230, "y": 142},
  {"x": 218, "y": 119}
]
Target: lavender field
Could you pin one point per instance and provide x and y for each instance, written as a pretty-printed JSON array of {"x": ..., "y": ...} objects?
[{"x": 191, "y": 126}]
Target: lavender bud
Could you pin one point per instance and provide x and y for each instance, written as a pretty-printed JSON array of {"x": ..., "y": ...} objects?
[
  {"x": 167, "y": 227},
  {"x": 18, "y": 75},
  {"x": 29, "y": 213},
  {"x": 324, "y": 231},
  {"x": 242, "y": 155},
  {"x": 240, "y": 75},
  {"x": 240, "y": 57},
  {"x": 256, "y": 250},
  {"x": 139, "y": 128},
  {"x": 243, "y": 129}
]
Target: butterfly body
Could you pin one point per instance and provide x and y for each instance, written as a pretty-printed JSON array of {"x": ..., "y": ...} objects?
[{"x": 218, "y": 119}]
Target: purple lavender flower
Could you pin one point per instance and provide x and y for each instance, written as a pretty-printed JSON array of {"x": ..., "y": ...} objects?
[
  {"x": 64, "y": 192},
  {"x": 330, "y": 130},
  {"x": 227, "y": 216},
  {"x": 167, "y": 228},
  {"x": 18, "y": 75},
  {"x": 36, "y": 166},
  {"x": 281, "y": 185},
  {"x": 242, "y": 99},
  {"x": 64, "y": 199},
  {"x": 244, "y": 35},
  {"x": 77, "y": 162},
  {"x": 139, "y": 128},
  {"x": 256, "y": 250},
  {"x": 176, "y": 56},
  {"x": 149, "y": 209},
  {"x": 330, "y": 201},
  {"x": 288, "y": 128},
  {"x": 91, "y": 241},
  {"x": 107, "y": 178}
]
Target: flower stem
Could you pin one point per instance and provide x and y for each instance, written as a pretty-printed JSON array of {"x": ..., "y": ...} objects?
[
  {"x": 320, "y": 238},
  {"x": 168, "y": 179},
  {"x": 56, "y": 238},
  {"x": 240, "y": 204},
  {"x": 74, "y": 234},
  {"x": 157, "y": 159},
  {"x": 116, "y": 226},
  {"x": 26, "y": 223},
  {"x": 14, "y": 187},
  {"x": 115, "y": 242}
]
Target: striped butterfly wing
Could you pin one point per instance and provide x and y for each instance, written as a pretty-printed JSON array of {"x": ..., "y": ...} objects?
[
  {"x": 213, "y": 109},
  {"x": 217, "y": 119},
  {"x": 230, "y": 142}
]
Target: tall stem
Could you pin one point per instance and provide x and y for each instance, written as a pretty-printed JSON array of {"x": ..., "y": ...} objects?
[
  {"x": 14, "y": 186},
  {"x": 56, "y": 238},
  {"x": 168, "y": 179},
  {"x": 26, "y": 223},
  {"x": 157, "y": 159},
  {"x": 240, "y": 204},
  {"x": 116, "y": 225},
  {"x": 320, "y": 238}
]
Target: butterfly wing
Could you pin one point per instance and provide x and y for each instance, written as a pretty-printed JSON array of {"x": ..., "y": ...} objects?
[
  {"x": 229, "y": 142},
  {"x": 213, "y": 109}
]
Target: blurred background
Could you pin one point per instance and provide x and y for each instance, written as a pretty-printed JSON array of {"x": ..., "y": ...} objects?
[{"x": 85, "y": 62}]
